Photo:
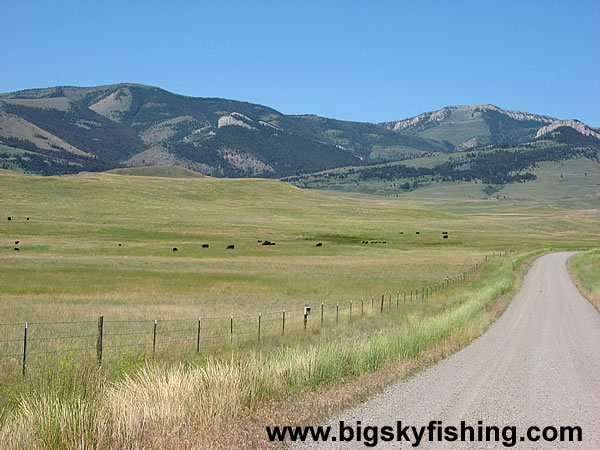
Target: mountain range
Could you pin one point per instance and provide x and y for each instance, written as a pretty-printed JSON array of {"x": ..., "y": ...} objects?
[{"x": 63, "y": 130}]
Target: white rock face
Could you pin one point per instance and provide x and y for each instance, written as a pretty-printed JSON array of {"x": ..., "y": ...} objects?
[
  {"x": 231, "y": 119},
  {"x": 576, "y": 124}
]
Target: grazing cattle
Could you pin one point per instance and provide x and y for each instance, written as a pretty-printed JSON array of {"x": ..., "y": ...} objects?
[
  {"x": 266, "y": 243},
  {"x": 444, "y": 232},
  {"x": 418, "y": 232},
  {"x": 9, "y": 218},
  {"x": 204, "y": 245},
  {"x": 384, "y": 242},
  {"x": 119, "y": 245},
  {"x": 175, "y": 249},
  {"x": 319, "y": 244},
  {"x": 17, "y": 242},
  {"x": 445, "y": 236},
  {"x": 402, "y": 232},
  {"x": 230, "y": 247},
  {"x": 365, "y": 242},
  {"x": 16, "y": 249},
  {"x": 28, "y": 218}
]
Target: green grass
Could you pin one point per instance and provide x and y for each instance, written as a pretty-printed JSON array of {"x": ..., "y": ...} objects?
[
  {"x": 586, "y": 268},
  {"x": 71, "y": 268}
]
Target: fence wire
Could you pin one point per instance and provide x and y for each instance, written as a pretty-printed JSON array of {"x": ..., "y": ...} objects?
[{"x": 211, "y": 333}]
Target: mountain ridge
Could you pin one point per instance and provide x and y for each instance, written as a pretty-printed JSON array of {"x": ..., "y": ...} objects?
[{"x": 65, "y": 129}]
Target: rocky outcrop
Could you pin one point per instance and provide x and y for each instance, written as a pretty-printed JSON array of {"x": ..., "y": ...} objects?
[{"x": 576, "y": 124}]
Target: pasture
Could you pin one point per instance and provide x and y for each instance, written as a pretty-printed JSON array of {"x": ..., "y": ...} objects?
[{"x": 103, "y": 244}]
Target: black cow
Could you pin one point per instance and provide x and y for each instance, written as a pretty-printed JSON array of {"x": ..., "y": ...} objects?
[
  {"x": 445, "y": 236},
  {"x": 418, "y": 232},
  {"x": 230, "y": 247},
  {"x": 175, "y": 249},
  {"x": 119, "y": 245},
  {"x": 28, "y": 218},
  {"x": 204, "y": 245},
  {"x": 17, "y": 242},
  {"x": 16, "y": 249},
  {"x": 9, "y": 218},
  {"x": 319, "y": 244}
]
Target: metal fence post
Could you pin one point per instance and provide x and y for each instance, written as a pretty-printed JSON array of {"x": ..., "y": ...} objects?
[
  {"x": 154, "y": 339},
  {"x": 198, "y": 337},
  {"x": 25, "y": 350},
  {"x": 99, "y": 340}
]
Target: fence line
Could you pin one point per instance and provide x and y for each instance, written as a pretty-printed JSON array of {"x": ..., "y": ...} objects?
[{"x": 232, "y": 326}]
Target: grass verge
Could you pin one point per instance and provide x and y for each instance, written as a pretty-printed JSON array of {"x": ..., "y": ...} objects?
[{"x": 584, "y": 268}]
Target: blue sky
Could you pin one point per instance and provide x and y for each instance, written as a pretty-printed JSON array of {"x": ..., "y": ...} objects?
[{"x": 363, "y": 61}]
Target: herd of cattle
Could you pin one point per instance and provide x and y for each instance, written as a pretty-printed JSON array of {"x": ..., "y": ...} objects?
[{"x": 265, "y": 242}]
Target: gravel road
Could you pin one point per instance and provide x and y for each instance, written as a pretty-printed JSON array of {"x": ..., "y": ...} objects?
[{"x": 538, "y": 365}]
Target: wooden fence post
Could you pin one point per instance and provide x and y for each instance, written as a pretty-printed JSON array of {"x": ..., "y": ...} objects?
[
  {"x": 231, "y": 329},
  {"x": 337, "y": 313},
  {"x": 362, "y": 307},
  {"x": 382, "y": 298},
  {"x": 283, "y": 323},
  {"x": 350, "y": 310},
  {"x": 259, "y": 317},
  {"x": 322, "y": 310}
]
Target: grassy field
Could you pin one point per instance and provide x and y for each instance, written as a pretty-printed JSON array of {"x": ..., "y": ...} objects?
[{"x": 103, "y": 244}]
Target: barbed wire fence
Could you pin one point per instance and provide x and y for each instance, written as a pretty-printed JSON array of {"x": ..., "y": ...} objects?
[{"x": 20, "y": 342}]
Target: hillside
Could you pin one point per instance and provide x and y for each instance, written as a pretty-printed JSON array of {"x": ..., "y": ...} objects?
[
  {"x": 562, "y": 164},
  {"x": 71, "y": 129}
]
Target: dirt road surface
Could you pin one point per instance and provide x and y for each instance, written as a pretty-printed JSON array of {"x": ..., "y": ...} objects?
[{"x": 538, "y": 365}]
